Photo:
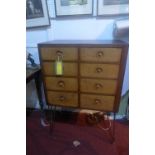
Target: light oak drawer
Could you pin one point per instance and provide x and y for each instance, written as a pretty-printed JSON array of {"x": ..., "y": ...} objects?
[
  {"x": 65, "y": 53},
  {"x": 62, "y": 98},
  {"x": 97, "y": 102},
  {"x": 69, "y": 69},
  {"x": 64, "y": 84},
  {"x": 99, "y": 70},
  {"x": 100, "y": 54},
  {"x": 98, "y": 86}
]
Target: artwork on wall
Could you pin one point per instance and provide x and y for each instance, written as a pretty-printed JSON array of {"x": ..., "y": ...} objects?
[
  {"x": 73, "y": 7},
  {"x": 112, "y": 7},
  {"x": 36, "y": 13}
]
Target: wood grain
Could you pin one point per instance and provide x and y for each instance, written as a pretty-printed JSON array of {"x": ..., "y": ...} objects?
[
  {"x": 92, "y": 77},
  {"x": 98, "y": 86},
  {"x": 99, "y": 70},
  {"x": 52, "y": 53},
  {"x": 100, "y": 54},
  {"x": 62, "y": 98},
  {"x": 60, "y": 83},
  {"x": 97, "y": 102},
  {"x": 69, "y": 68}
]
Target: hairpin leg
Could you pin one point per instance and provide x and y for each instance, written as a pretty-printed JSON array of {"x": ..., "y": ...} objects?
[
  {"x": 52, "y": 117},
  {"x": 113, "y": 128}
]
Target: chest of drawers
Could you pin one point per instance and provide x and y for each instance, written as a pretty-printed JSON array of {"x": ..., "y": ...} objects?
[{"x": 92, "y": 76}]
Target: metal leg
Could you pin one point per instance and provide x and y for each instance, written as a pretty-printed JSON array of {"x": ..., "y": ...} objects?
[
  {"x": 51, "y": 121},
  {"x": 112, "y": 131},
  {"x": 113, "y": 128},
  {"x": 52, "y": 118}
]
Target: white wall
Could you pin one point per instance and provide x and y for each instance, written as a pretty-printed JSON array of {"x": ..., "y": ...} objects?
[{"x": 90, "y": 28}]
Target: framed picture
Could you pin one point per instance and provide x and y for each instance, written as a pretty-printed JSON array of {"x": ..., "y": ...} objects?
[
  {"x": 112, "y": 7},
  {"x": 73, "y": 7},
  {"x": 36, "y": 13}
]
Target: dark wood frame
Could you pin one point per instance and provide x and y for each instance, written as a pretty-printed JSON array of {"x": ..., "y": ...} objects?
[
  {"x": 44, "y": 25},
  {"x": 73, "y": 15},
  {"x": 78, "y": 44}
]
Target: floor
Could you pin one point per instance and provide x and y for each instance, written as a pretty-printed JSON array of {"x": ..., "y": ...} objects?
[{"x": 73, "y": 135}]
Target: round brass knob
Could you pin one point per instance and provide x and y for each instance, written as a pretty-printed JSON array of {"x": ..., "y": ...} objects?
[
  {"x": 59, "y": 53},
  {"x": 97, "y": 101},
  {"x": 100, "y": 54},
  {"x": 99, "y": 70},
  {"x": 98, "y": 85},
  {"x": 61, "y": 98},
  {"x": 61, "y": 84}
]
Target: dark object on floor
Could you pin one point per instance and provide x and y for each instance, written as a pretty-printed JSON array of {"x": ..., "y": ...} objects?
[
  {"x": 95, "y": 118},
  {"x": 93, "y": 141}
]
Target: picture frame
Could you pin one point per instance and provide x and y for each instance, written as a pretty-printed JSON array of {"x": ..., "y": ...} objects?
[
  {"x": 73, "y": 7},
  {"x": 37, "y": 13},
  {"x": 112, "y": 7}
]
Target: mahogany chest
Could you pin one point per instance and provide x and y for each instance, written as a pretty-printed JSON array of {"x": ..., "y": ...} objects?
[{"x": 92, "y": 76}]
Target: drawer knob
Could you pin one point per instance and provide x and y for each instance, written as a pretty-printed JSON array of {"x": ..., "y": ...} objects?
[
  {"x": 61, "y": 84},
  {"x": 99, "y": 70},
  {"x": 97, "y": 101},
  {"x": 62, "y": 98},
  {"x": 100, "y": 54},
  {"x": 98, "y": 85},
  {"x": 59, "y": 53}
]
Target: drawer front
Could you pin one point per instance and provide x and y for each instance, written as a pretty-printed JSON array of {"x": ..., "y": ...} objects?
[
  {"x": 98, "y": 86},
  {"x": 69, "y": 69},
  {"x": 66, "y": 53},
  {"x": 97, "y": 102},
  {"x": 64, "y": 84},
  {"x": 100, "y": 54},
  {"x": 99, "y": 70},
  {"x": 62, "y": 98}
]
